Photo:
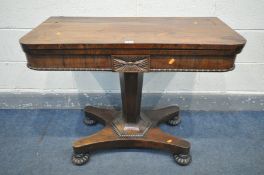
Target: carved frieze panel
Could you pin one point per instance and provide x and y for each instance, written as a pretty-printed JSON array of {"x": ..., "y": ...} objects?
[{"x": 130, "y": 63}]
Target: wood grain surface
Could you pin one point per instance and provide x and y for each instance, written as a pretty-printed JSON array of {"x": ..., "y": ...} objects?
[
  {"x": 133, "y": 32},
  {"x": 172, "y": 43}
]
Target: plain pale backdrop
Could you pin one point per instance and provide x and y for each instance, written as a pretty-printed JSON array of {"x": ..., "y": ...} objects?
[{"x": 17, "y": 17}]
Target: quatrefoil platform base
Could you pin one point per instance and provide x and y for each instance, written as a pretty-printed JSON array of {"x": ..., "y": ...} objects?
[{"x": 153, "y": 138}]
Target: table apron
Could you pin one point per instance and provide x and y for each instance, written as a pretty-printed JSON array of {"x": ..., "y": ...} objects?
[{"x": 131, "y": 63}]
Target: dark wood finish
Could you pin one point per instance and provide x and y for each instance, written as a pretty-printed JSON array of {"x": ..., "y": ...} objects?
[
  {"x": 132, "y": 46},
  {"x": 107, "y": 138},
  {"x": 145, "y": 32},
  {"x": 157, "y": 63},
  {"x": 130, "y": 63},
  {"x": 154, "y": 138},
  {"x": 131, "y": 91},
  {"x": 173, "y": 44}
]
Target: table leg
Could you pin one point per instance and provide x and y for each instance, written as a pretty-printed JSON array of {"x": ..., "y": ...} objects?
[{"x": 131, "y": 127}]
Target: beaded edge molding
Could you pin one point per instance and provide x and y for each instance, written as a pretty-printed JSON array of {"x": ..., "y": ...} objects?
[
  {"x": 123, "y": 134},
  {"x": 109, "y": 69}
]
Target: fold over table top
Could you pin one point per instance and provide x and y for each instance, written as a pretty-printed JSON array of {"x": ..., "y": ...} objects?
[
  {"x": 153, "y": 36},
  {"x": 143, "y": 32}
]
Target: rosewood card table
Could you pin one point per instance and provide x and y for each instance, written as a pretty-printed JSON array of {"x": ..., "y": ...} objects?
[{"x": 132, "y": 46}]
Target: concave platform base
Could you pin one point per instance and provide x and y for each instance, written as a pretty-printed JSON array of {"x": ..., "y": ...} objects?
[{"x": 152, "y": 137}]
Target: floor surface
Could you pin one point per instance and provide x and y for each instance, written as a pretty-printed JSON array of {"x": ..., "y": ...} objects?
[{"x": 39, "y": 142}]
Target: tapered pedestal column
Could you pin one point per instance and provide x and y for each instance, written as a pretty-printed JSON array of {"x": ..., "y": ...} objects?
[{"x": 131, "y": 127}]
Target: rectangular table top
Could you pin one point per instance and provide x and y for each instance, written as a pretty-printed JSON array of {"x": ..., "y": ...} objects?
[
  {"x": 133, "y": 32},
  {"x": 132, "y": 44}
]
